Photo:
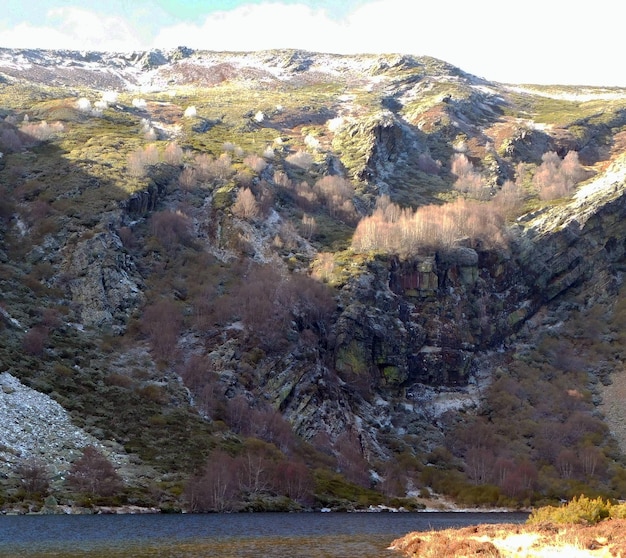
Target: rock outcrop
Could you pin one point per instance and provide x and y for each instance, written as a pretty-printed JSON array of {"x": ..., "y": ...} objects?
[
  {"x": 104, "y": 284},
  {"x": 421, "y": 320}
]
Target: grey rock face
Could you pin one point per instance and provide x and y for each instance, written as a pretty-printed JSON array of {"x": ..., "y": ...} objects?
[{"x": 104, "y": 285}]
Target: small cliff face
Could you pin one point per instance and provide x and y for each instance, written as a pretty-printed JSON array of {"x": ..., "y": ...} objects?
[{"x": 422, "y": 319}]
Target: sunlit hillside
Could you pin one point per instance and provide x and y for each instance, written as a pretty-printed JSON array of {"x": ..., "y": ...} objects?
[{"x": 284, "y": 280}]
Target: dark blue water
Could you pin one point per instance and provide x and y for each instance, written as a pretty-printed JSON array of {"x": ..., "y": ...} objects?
[{"x": 271, "y": 535}]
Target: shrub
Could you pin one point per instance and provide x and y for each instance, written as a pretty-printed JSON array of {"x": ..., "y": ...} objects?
[
  {"x": 245, "y": 206},
  {"x": 337, "y": 193},
  {"x": 581, "y": 510},
  {"x": 555, "y": 178},
  {"x": 256, "y": 163},
  {"x": 397, "y": 230},
  {"x": 215, "y": 488},
  {"x": 34, "y": 341},
  {"x": 94, "y": 474},
  {"x": 34, "y": 476},
  {"x": 141, "y": 158},
  {"x": 300, "y": 159},
  {"x": 171, "y": 228},
  {"x": 173, "y": 154},
  {"x": 208, "y": 169},
  {"x": 161, "y": 322},
  {"x": 427, "y": 164},
  {"x": 468, "y": 180}
]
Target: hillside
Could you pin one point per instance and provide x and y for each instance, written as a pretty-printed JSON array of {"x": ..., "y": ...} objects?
[{"x": 282, "y": 280}]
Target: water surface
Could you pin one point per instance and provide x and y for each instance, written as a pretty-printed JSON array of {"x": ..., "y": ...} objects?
[{"x": 269, "y": 535}]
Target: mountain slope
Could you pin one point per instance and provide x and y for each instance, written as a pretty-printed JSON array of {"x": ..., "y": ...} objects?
[{"x": 343, "y": 265}]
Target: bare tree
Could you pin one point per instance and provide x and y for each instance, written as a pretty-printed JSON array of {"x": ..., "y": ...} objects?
[
  {"x": 34, "y": 475},
  {"x": 245, "y": 206},
  {"x": 94, "y": 474},
  {"x": 215, "y": 489}
]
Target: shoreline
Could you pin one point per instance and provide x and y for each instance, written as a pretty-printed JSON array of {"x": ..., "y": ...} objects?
[{"x": 514, "y": 540}]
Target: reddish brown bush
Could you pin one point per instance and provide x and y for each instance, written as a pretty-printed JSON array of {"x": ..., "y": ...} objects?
[
  {"x": 337, "y": 194},
  {"x": 427, "y": 164},
  {"x": 140, "y": 159},
  {"x": 210, "y": 169},
  {"x": 34, "y": 476},
  {"x": 171, "y": 228},
  {"x": 350, "y": 459},
  {"x": 94, "y": 474},
  {"x": 215, "y": 488},
  {"x": 468, "y": 181},
  {"x": 161, "y": 322},
  {"x": 35, "y": 340},
  {"x": 294, "y": 480}
]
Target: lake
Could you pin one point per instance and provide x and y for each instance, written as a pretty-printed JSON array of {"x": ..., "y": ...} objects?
[{"x": 268, "y": 535}]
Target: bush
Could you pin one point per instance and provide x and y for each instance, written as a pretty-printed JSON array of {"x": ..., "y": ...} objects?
[
  {"x": 581, "y": 510},
  {"x": 93, "y": 474}
]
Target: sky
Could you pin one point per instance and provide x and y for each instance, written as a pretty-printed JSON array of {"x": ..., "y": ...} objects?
[{"x": 510, "y": 41}]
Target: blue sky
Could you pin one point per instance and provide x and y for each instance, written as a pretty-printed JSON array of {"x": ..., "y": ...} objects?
[{"x": 530, "y": 41}]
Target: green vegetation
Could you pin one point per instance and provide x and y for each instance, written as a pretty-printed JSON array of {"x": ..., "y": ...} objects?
[{"x": 580, "y": 510}]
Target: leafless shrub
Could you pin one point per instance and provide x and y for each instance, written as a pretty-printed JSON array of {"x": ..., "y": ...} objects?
[
  {"x": 281, "y": 179},
  {"x": 265, "y": 197},
  {"x": 10, "y": 140},
  {"x": 256, "y": 163},
  {"x": 215, "y": 489},
  {"x": 34, "y": 476},
  {"x": 188, "y": 179},
  {"x": 173, "y": 154},
  {"x": 34, "y": 341},
  {"x": 468, "y": 181},
  {"x": 407, "y": 231},
  {"x": 161, "y": 322},
  {"x": 171, "y": 228},
  {"x": 301, "y": 159},
  {"x": 337, "y": 193},
  {"x": 94, "y": 474},
  {"x": 127, "y": 237},
  {"x": 509, "y": 198},
  {"x": 555, "y": 178},
  {"x": 350, "y": 459},
  {"x": 50, "y": 318},
  {"x": 427, "y": 164},
  {"x": 306, "y": 197},
  {"x": 294, "y": 480},
  {"x": 139, "y": 159},
  {"x": 41, "y": 131},
  {"x": 245, "y": 206},
  {"x": 309, "y": 225},
  {"x": 208, "y": 168}
]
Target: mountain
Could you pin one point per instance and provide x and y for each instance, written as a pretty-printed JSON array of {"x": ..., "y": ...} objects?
[{"x": 283, "y": 280}]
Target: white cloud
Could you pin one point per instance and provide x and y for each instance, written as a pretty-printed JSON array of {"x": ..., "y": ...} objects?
[
  {"x": 75, "y": 29},
  {"x": 254, "y": 27},
  {"x": 532, "y": 41}
]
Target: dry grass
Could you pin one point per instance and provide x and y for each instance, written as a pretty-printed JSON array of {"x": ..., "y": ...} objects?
[{"x": 608, "y": 538}]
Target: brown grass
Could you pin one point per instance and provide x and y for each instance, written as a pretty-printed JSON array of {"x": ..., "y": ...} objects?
[{"x": 607, "y": 538}]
